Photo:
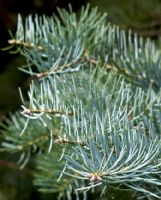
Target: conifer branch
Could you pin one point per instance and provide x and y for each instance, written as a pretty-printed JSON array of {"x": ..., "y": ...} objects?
[{"x": 109, "y": 126}]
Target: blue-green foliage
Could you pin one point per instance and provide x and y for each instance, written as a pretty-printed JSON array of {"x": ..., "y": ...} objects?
[{"x": 94, "y": 111}]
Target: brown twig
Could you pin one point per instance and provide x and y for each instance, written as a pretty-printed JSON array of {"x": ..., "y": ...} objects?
[
  {"x": 65, "y": 141},
  {"x": 27, "y": 111},
  {"x": 25, "y": 44}
]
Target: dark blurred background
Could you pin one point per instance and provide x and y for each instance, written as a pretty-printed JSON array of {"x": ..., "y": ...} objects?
[{"x": 143, "y": 17}]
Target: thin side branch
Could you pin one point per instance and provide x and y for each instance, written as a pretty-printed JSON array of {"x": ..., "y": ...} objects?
[
  {"x": 25, "y": 44},
  {"x": 65, "y": 141},
  {"x": 27, "y": 111},
  {"x": 38, "y": 140}
]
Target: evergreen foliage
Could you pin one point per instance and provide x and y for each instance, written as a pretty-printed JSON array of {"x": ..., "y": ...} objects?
[{"x": 93, "y": 112}]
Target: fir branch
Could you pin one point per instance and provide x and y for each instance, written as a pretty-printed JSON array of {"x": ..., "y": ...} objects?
[
  {"x": 110, "y": 128},
  {"x": 127, "y": 166},
  {"x": 65, "y": 51},
  {"x": 33, "y": 138}
]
